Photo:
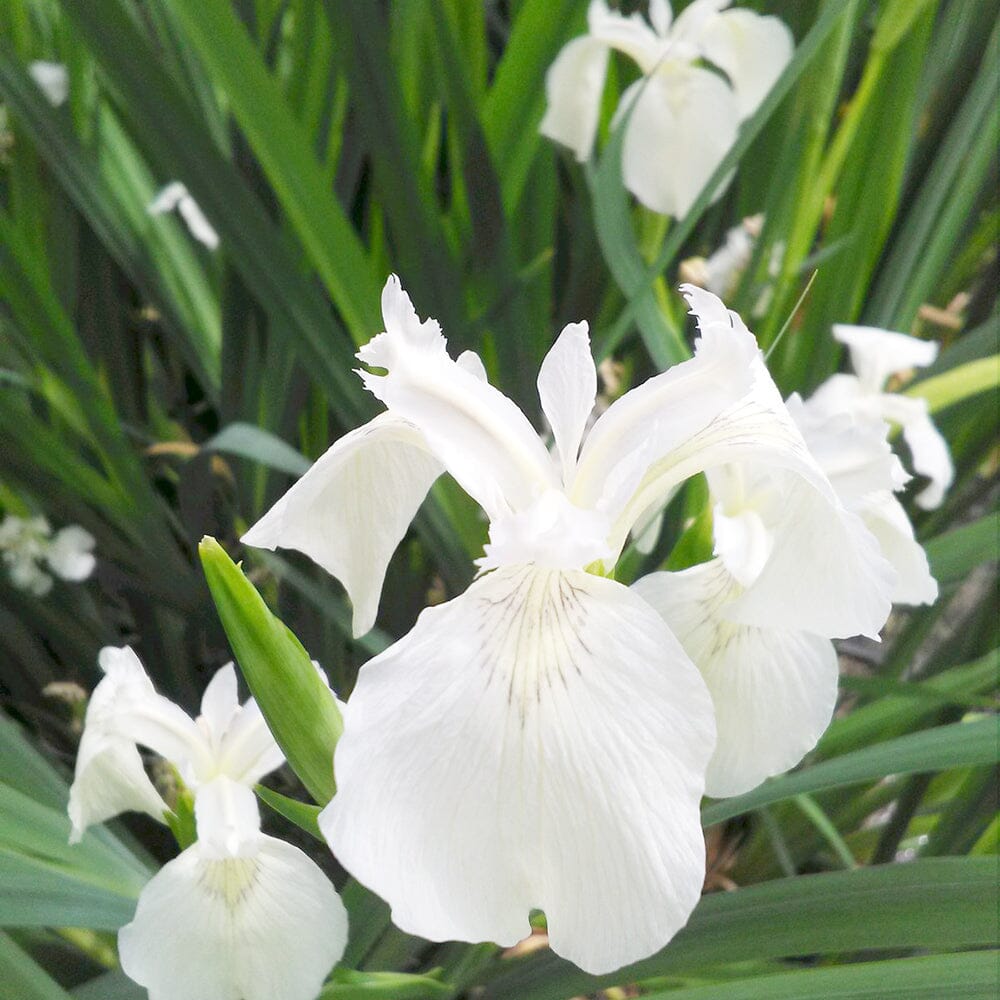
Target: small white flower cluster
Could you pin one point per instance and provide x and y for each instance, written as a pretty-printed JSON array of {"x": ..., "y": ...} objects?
[
  {"x": 33, "y": 554},
  {"x": 683, "y": 116},
  {"x": 238, "y": 915}
]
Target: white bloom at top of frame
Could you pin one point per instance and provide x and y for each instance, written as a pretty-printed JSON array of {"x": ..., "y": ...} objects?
[
  {"x": 32, "y": 553},
  {"x": 175, "y": 195},
  {"x": 52, "y": 79},
  {"x": 238, "y": 915},
  {"x": 876, "y": 355},
  {"x": 683, "y": 117},
  {"x": 548, "y": 705}
]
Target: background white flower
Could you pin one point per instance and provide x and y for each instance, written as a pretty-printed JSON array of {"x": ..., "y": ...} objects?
[
  {"x": 29, "y": 549},
  {"x": 684, "y": 117},
  {"x": 175, "y": 195}
]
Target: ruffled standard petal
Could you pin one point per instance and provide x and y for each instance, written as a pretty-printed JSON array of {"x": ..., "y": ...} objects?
[
  {"x": 573, "y": 88},
  {"x": 480, "y": 436},
  {"x": 266, "y": 927},
  {"x": 876, "y": 354},
  {"x": 774, "y": 690},
  {"x": 351, "y": 509},
  {"x": 567, "y": 388},
  {"x": 683, "y": 123},
  {"x": 539, "y": 741},
  {"x": 751, "y": 50},
  {"x": 70, "y": 554}
]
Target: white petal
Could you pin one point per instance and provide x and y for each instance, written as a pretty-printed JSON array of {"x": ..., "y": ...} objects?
[
  {"x": 219, "y": 703},
  {"x": 683, "y": 123},
  {"x": 267, "y": 927},
  {"x": 931, "y": 458},
  {"x": 660, "y": 16},
  {"x": 473, "y": 364},
  {"x": 664, "y": 414},
  {"x": 480, "y": 435},
  {"x": 52, "y": 79},
  {"x": 352, "y": 508},
  {"x": 567, "y": 387},
  {"x": 631, "y": 35},
  {"x": 109, "y": 778},
  {"x": 774, "y": 690},
  {"x": 538, "y": 742},
  {"x": 743, "y": 543},
  {"x": 248, "y": 750},
  {"x": 752, "y": 50},
  {"x": 156, "y": 722},
  {"x": 876, "y": 354},
  {"x": 167, "y": 199},
  {"x": 227, "y": 818},
  {"x": 887, "y": 521},
  {"x": 70, "y": 553},
  {"x": 573, "y": 87},
  {"x": 26, "y": 574},
  {"x": 199, "y": 227}
]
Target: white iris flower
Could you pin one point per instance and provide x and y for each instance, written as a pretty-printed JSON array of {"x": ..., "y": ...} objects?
[
  {"x": 876, "y": 355},
  {"x": 685, "y": 116},
  {"x": 33, "y": 554},
  {"x": 238, "y": 915},
  {"x": 541, "y": 741}
]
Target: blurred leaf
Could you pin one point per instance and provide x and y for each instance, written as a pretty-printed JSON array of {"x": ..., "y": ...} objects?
[
  {"x": 300, "y": 709},
  {"x": 258, "y": 445},
  {"x": 954, "y": 553},
  {"x": 346, "y": 984},
  {"x": 958, "y": 383},
  {"x": 958, "y": 745},
  {"x": 23, "y": 978}
]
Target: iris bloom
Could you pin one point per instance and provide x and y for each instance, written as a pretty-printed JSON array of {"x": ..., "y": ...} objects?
[
  {"x": 541, "y": 740},
  {"x": 175, "y": 195},
  {"x": 684, "y": 116},
  {"x": 33, "y": 554},
  {"x": 238, "y": 915},
  {"x": 876, "y": 355}
]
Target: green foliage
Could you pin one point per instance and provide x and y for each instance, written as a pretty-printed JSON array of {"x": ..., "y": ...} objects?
[{"x": 156, "y": 392}]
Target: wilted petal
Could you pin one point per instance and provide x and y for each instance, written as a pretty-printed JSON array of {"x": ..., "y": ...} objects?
[
  {"x": 70, "y": 553},
  {"x": 567, "y": 387},
  {"x": 352, "y": 508},
  {"x": 774, "y": 690},
  {"x": 265, "y": 927},
  {"x": 752, "y": 50},
  {"x": 876, "y": 354},
  {"x": 573, "y": 88},
  {"x": 682, "y": 125},
  {"x": 480, "y": 435},
  {"x": 539, "y": 741}
]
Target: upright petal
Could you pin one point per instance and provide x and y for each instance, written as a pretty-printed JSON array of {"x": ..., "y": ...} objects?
[
  {"x": 228, "y": 819},
  {"x": 351, "y": 509},
  {"x": 752, "y": 50},
  {"x": 683, "y": 123},
  {"x": 480, "y": 435},
  {"x": 248, "y": 750},
  {"x": 219, "y": 703},
  {"x": 876, "y": 354},
  {"x": 539, "y": 741},
  {"x": 265, "y": 927},
  {"x": 567, "y": 387},
  {"x": 70, "y": 553},
  {"x": 774, "y": 690},
  {"x": 574, "y": 84},
  {"x": 630, "y": 35}
]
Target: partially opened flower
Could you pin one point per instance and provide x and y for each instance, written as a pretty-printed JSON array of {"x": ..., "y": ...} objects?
[
  {"x": 176, "y": 196},
  {"x": 541, "y": 740},
  {"x": 876, "y": 355},
  {"x": 33, "y": 554},
  {"x": 238, "y": 915},
  {"x": 685, "y": 116}
]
